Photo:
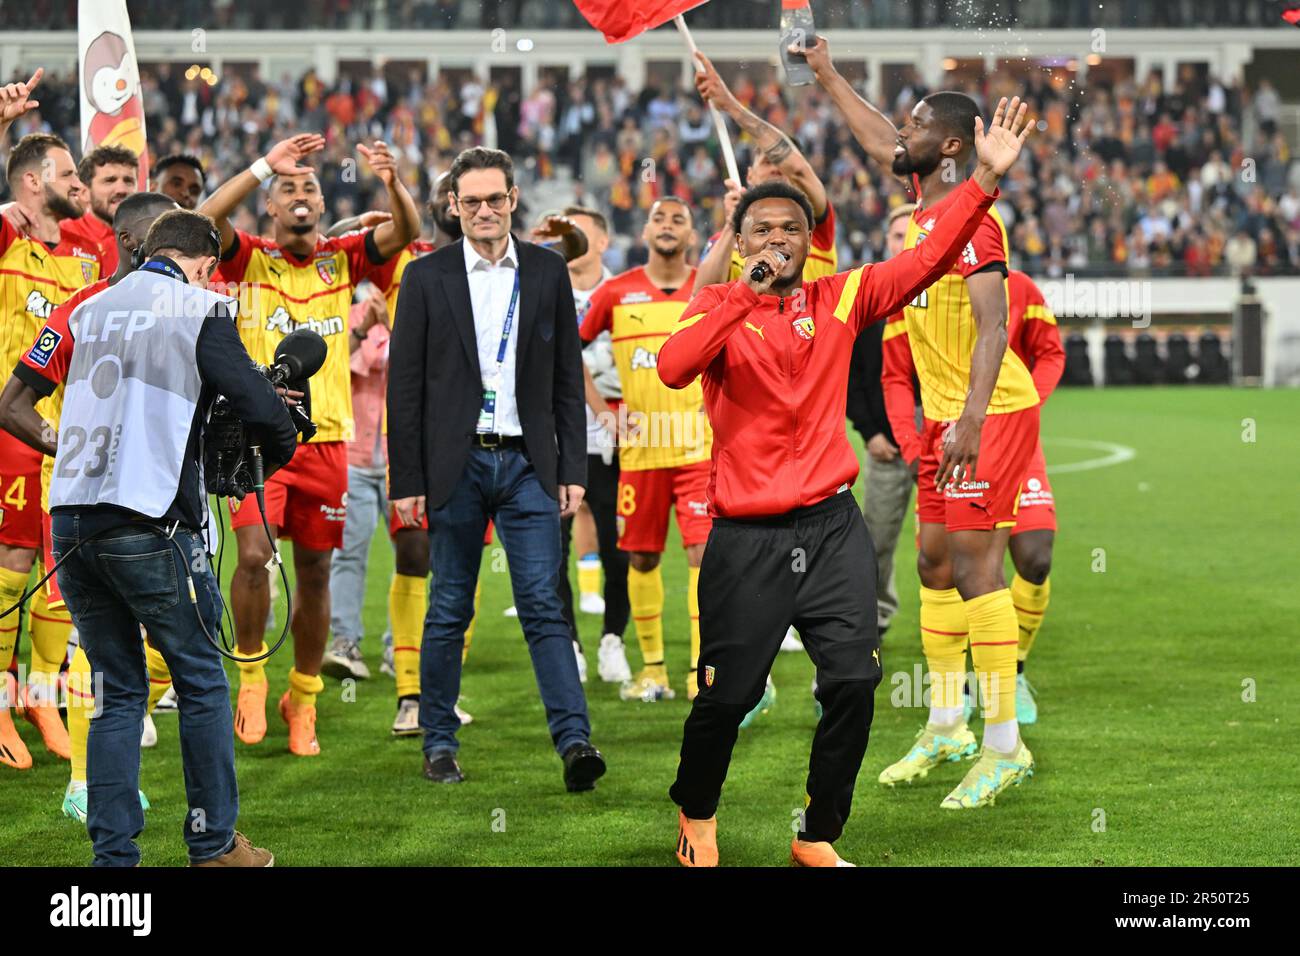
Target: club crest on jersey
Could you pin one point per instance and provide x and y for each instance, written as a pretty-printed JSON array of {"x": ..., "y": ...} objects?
[
  {"x": 708, "y": 675},
  {"x": 328, "y": 270},
  {"x": 804, "y": 326},
  {"x": 88, "y": 271}
]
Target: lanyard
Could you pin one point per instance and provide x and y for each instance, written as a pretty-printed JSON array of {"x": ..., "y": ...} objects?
[{"x": 509, "y": 323}]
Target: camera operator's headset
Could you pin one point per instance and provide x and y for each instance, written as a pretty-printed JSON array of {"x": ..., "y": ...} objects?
[{"x": 222, "y": 642}]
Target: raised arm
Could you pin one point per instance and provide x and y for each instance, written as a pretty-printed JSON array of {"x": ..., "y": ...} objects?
[
  {"x": 870, "y": 127},
  {"x": 776, "y": 146},
  {"x": 283, "y": 159},
  {"x": 397, "y": 233},
  {"x": 15, "y": 100},
  {"x": 715, "y": 265}
]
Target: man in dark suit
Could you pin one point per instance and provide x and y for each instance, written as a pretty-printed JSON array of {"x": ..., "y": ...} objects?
[{"x": 486, "y": 421}]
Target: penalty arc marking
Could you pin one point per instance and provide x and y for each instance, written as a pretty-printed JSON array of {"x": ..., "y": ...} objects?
[{"x": 1113, "y": 455}]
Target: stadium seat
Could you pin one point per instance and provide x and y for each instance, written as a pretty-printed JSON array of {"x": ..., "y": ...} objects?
[
  {"x": 1180, "y": 368},
  {"x": 1212, "y": 361},
  {"x": 1148, "y": 366},
  {"x": 1078, "y": 367},
  {"x": 1118, "y": 365}
]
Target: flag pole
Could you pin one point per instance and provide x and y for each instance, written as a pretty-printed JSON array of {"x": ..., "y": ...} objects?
[{"x": 724, "y": 139}]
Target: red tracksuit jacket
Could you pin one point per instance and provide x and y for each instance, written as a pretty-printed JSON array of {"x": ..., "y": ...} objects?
[{"x": 775, "y": 369}]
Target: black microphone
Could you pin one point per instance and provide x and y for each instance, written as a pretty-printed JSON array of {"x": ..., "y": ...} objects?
[
  {"x": 761, "y": 271},
  {"x": 300, "y": 355}
]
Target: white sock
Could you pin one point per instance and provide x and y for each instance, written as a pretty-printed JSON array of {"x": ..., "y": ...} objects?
[
  {"x": 944, "y": 716},
  {"x": 1002, "y": 736}
]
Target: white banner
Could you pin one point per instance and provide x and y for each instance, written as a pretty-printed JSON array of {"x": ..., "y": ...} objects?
[{"x": 112, "y": 107}]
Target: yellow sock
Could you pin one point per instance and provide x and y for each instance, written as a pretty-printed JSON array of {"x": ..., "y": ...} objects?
[
  {"x": 160, "y": 677},
  {"x": 645, "y": 593},
  {"x": 303, "y": 688},
  {"x": 48, "y": 633},
  {"x": 254, "y": 673},
  {"x": 993, "y": 645},
  {"x": 1031, "y": 604},
  {"x": 693, "y": 609},
  {"x": 943, "y": 638},
  {"x": 588, "y": 575},
  {"x": 469, "y": 631},
  {"x": 12, "y": 586},
  {"x": 407, "y": 602},
  {"x": 81, "y": 704}
]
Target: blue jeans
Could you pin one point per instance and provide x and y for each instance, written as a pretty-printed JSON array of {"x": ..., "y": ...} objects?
[
  {"x": 367, "y": 506},
  {"x": 500, "y": 485},
  {"x": 112, "y": 586}
]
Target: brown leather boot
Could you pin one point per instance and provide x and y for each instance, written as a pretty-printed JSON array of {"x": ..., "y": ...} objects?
[{"x": 242, "y": 853}]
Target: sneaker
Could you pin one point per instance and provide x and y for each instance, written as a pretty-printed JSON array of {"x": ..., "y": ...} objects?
[
  {"x": 250, "y": 712},
  {"x": 934, "y": 746},
  {"x": 74, "y": 800},
  {"x": 167, "y": 703},
  {"x": 582, "y": 662},
  {"x": 148, "y": 733},
  {"x": 44, "y": 716},
  {"x": 993, "y": 773},
  {"x": 343, "y": 660},
  {"x": 818, "y": 853},
  {"x": 1026, "y": 705},
  {"x": 591, "y": 603},
  {"x": 242, "y": 853},
  {"x": 464, "y": 715},
  {"x": 650, "y": 685},
  {"x": 611, "y": 660},
  {"x": 407, "y": 722},
  {"x": 302, "y": 726},
  {"x": 791, "y": 643},
  {"x": 13, "y": 752},
  {"x": 511, "y": 611},
  {"x": 697, "y": 841},
  {"x": 387, "y": 666},
  {"x": 764, "y": 704}
]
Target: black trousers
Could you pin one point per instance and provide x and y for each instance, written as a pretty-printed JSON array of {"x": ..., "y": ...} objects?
[
  {"x": 602, "y": 498},
  {"x": 814, "y": 568}
]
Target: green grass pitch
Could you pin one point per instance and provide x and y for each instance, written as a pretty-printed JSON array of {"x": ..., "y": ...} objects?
[{"x": 1148, "y": 751}]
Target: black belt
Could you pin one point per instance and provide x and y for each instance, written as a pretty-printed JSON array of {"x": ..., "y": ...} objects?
[{"x": 499, "y": 442}]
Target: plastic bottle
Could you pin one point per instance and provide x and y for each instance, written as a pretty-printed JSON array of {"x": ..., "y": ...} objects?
[{"x": 796, "y": 27}]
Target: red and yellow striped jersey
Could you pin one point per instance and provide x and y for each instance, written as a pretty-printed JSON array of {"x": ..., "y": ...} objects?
[
  {"x": 941, "y": 325},
  {"x": 667, "y": 427},
  {"x": 93, "y": 235},
  {"x": 1032, "y": 333},
  {"x": 34, "y": 279},
  {"x": 822, "y": 259},
  {"x": 279, "y": 293}
]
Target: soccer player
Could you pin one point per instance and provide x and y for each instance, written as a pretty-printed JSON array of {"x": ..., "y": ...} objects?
[
  {"x": 179, "y": 176},
  {"x": 37, "y": 383},
  {"x": 664, "y": 457},
  {"x": 788, "y": 544},
  {"x": 980, "y": 408},
  {"x": 776, "y": 159},
  {"x": 601, "y": 501},
  {"x": 37, "y": 271},
  {"x": 300, "y": 279},
  {"x": 110, "y": 174}
]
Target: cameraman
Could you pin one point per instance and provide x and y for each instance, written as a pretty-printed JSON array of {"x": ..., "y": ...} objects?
[{"x": 128, "y": 506}]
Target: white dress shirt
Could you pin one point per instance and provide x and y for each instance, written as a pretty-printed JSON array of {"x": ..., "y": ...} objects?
[{"x": 490, "y": 288}]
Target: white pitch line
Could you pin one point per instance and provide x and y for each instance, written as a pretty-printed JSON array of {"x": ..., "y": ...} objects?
[{"x": 1115, "y": 455}]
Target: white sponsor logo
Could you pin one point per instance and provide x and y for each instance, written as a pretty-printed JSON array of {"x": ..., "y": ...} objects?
[
  {"x": 1034, "y": 484},
  {"x": 968, "y": 255},
  {"x": 280, "y": 321},
  {"x": 644, "y": 358},
  {"x": 632, "y": 298},
  {"x": 72, "y": 909},
  {"x": 38, "y": 305}
]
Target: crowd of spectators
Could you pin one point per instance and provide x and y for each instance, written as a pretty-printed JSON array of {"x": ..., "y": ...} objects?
[
  {"x": 1125, "y": 177},
  {"x": 720, "y": 14}
]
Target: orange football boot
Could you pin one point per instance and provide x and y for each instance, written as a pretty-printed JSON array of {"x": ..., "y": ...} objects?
[
  {"x": 45, "y": 718},
  {"x": 250, "y": 712},
  {"x": 697, "y": 841},
  {"x": 821, "y": 853},
  {"x": 13, "y": 752},
  {"x": 302, "y": 726}
]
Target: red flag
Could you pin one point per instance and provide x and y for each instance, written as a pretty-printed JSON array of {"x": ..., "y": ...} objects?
[
  {"x": 622, "y": 20},
  {"x": 1292, "y": 16}
]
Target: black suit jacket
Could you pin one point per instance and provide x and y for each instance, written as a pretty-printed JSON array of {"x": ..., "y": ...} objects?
[{"x": 435, "y": 388}]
